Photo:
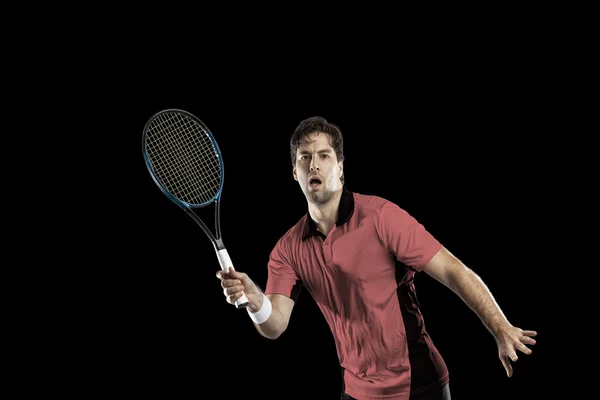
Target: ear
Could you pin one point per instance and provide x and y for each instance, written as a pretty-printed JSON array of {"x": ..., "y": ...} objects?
[
  {"x": 340, "y": 169},
  {"x": 294, "y": 173}
]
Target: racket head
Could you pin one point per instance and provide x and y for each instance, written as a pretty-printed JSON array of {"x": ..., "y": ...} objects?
[{"x": 183, "y": 158}]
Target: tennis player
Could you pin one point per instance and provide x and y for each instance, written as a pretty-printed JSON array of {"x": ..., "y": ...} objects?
[{"x": 357, "y": 255}]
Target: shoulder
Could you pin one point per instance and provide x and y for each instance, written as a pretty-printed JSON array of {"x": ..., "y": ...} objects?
[
  {"x": 293, "y": 234},
  {"x": 383, "y": 213},
  {"x": 282, "y": 253},
  {"x": 375, "y": 204}
]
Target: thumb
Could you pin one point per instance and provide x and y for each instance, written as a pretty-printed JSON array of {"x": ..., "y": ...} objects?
[
  {"x": 233, "y": 273},
  {"x": 238, "y": 275}
]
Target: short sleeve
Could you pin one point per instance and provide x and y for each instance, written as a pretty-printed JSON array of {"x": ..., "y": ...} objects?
[
  {"x": 282, "y": 278},
  {"x": 405, "y": 237}
]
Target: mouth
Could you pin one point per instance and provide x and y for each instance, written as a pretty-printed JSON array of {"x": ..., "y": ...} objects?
[{"x": 314, "y": 182}]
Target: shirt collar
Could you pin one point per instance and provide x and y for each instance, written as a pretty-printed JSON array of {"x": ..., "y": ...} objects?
[{"x": 345, "y": 211}]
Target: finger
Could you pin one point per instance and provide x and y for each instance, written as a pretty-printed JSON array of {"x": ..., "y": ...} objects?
[
  {"x": 235, "y": 274},
  {"x": 222, "y": 275},
  {"x": 231, "y": 299},
  {"x": 529, "y": 333},
  {"x": 528, "y": 340},
  {"x": 233, "y": 290},
  {"x": 524, "y": 349},
  {"x": 225, "y": 283},
  {"x": 507, "y": 366}
]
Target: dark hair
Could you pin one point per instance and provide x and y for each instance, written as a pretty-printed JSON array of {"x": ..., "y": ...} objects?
[{"x": 317, "y": 124}]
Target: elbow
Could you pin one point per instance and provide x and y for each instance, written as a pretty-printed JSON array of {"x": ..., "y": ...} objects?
[
  {"x": 278, "y": 332},
  {"x": 456, "y": 276},
  {"x": 273, "y": 334},
  {"x": 272, "y": 331}
]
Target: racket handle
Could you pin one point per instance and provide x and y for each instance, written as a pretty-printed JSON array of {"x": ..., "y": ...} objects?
[{"x": 225, "y": 262}]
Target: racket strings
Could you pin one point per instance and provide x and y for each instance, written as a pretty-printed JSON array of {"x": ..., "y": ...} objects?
[{"x": 184, "y": 158}]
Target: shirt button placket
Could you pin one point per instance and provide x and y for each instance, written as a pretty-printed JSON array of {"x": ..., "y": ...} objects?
[{"x": 327, "y": 250}]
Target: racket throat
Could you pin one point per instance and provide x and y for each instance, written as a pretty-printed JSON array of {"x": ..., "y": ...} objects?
[
  {"x": 218, "y": 243},
  {"x": 216, "y": 239}
]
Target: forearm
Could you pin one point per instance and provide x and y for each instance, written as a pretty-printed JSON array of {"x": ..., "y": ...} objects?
[
  {"x": 474, "y": 292},
  {"x": 274, "y": 325}
]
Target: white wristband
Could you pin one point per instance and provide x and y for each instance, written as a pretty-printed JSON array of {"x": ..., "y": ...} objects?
[{"x": 264, "y": 313}]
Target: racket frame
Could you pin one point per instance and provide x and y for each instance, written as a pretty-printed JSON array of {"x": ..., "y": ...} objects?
[{"x": 216, "y": 237}]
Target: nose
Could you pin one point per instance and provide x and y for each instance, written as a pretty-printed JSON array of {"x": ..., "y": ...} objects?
[{"x": 313, "y": 164}]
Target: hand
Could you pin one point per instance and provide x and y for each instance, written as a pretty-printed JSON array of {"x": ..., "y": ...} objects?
[
  {"x": 235, "y": 284},
  {"x": 510, "y": 339}
]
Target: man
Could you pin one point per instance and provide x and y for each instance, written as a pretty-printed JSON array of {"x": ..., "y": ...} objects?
[{"x": 357, "y": 255}]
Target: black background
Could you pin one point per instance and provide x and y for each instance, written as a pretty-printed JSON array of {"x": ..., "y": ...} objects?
[{"x": 459, "y": 116}]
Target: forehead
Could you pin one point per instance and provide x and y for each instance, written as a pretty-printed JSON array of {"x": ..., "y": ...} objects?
[{"x": 315, "y": 141}]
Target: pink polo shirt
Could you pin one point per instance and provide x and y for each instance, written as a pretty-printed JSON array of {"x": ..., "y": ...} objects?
[{"x": 361, "y": 277}]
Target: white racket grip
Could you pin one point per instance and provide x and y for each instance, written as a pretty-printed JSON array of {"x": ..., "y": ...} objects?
[{"x": 225, "y": 262}]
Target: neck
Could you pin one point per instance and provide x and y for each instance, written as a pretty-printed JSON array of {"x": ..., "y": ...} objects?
[{"x": 325, "y": 214}]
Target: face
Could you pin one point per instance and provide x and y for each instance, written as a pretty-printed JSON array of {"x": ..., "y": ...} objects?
[{"x": 317, "y": 169}]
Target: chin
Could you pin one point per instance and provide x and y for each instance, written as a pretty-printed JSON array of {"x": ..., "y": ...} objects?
[{"x": 320, "y": 196}]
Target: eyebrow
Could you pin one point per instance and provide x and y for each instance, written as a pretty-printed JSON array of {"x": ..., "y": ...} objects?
[{"x": 320, "y": 151}]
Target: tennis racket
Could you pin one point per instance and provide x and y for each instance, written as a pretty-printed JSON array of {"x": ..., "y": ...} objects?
[{"x": 185, "y": 162}]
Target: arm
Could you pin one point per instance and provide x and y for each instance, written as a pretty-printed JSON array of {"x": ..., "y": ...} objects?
[
  {"x": 452, "y": 273},
  {"x": 279, "y": 319},
  {"x": 283, "y": 288},
  {"x": 236, "y": 283}
]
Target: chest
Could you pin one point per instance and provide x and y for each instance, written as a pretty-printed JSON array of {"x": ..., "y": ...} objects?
[{"x": 351, "y": 259}]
